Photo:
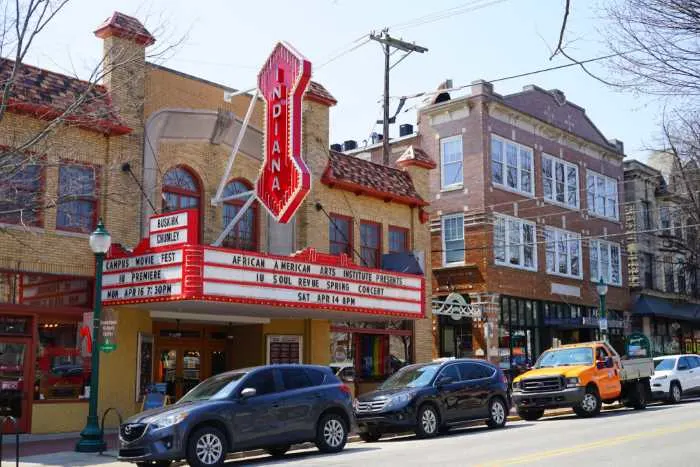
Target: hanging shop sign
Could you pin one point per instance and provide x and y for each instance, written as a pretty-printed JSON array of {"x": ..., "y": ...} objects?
[
  {"x": 456, "y": 307},
  {"x": 108, "y": 330},
  {"x": 284, "y": 179},
  {"x": 48, "y": 290}
]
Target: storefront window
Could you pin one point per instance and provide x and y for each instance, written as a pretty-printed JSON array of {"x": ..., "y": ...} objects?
[{"x": 62, "y": 361}]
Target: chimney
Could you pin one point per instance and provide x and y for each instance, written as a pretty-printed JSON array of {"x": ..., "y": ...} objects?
[
  {"x": 124, "y": 67},
  {"x": 337, "y": 147},
  {"x": 405, "y": 129},
  {"x": 349, "y": 145},
  {"x": 481, "y": 87}
]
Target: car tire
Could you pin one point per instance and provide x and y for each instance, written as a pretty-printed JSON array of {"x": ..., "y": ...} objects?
[
  {"x": 498, "y": 414},
  {"x": 675, "y": 393},
  {"x": 530, "y": 414},
  {"x": 370, "y": 436},
  {"x": 278, "y": 451},
  {"x": 331, "y": 433},
  {"x": 206, "y": 447},
  {"x": 428, "y": 421},
  {"x": 590, "y": 405}
]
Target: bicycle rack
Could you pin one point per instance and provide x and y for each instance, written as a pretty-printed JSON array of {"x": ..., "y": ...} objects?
[
  {"x": 2, "y": 425},
  {"x": 102, "y": 423}
]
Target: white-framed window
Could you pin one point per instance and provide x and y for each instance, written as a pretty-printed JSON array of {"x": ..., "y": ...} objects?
[
  {"x": 563, "y": 252},
  {"x": 602, "y": 195},
  {"x": 512, "y": 166},
  {"x": 560, "y": 181},
  {"x": 451, "y": 158},
  {"x": 514, "y": 243},
  {"x": 452, "y": 239},
  {"x": 606, "y": 262}
]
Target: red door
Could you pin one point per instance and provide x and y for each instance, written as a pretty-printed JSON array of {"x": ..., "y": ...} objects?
[{"x": 15, "y": 386}]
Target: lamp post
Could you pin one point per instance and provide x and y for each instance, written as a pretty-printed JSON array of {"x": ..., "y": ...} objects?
[
  {"x": 602, "y": 289},
  {"x": 91, "y": 437}
]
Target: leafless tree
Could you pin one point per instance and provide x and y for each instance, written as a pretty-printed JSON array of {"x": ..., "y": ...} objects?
[{"x": 23, "y": 155}]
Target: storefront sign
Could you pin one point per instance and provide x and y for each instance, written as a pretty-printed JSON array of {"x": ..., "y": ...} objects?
[
  {"x": 144, "y": 276},
  {"x": 284, "y": 179},
  {"x": 286, "y": 280},
  {"x": 50, "y": 291},
  {"x": 456, "y": 307},
  {"x": 108, "y": 330}
]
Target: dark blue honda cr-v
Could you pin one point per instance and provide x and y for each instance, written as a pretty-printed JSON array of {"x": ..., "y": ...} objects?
[{"x": 269, "y": 407}]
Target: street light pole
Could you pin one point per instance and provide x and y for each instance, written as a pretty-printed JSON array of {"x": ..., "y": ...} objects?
[
  {"x": 602, "y": 289},
  {"x": 91, "y": 439}
]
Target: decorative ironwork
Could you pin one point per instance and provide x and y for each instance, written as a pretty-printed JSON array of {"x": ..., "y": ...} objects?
[{"x": 457, "y": 307}]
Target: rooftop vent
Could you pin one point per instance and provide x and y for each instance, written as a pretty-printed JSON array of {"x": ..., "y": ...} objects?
[
  {"x": 405, "y": 129},
  {"x": 337, "y": 147},
  {"x": 349, "y": 145}
]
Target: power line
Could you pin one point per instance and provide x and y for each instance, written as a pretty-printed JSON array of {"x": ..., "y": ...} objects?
[{"x": 439, "y": 15}]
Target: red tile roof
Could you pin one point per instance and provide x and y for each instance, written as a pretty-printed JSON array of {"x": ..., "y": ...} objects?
[
  {"x": 367, "y": 178},
  {"x": 126, "y": 27},
  {"x": 415, "y": 156},
  {"x": 46, "y": 95},
  {"x": 316, "y": 92}
]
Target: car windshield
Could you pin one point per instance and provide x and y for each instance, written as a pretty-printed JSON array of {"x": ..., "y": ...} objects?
[
  {"x": 414, "y": 376},
  {"x": 662, "y": 364},
  {"x": 565, "y": 357},
  {"x": 216, "y": 387}
]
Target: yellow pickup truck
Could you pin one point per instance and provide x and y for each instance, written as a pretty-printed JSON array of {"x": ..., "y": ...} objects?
[{"x": 582, "y": 377}]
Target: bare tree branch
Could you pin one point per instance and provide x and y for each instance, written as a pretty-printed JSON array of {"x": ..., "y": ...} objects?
[{"x": 559, "y": 47}]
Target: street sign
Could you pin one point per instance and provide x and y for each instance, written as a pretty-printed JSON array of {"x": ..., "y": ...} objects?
[
  {"x": 284, "y": 179},
  {"x": 603, "y": 324}
]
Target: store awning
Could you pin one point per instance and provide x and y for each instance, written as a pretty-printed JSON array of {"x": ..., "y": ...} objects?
[{"x": 647, "y": 305}]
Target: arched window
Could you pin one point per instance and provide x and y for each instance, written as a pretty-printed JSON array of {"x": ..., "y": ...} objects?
[
  {"x": 244, "y": 234},
  {"x": 180, "y": 190}
]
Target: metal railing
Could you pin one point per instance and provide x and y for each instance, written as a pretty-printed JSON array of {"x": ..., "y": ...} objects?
[
  {"x": 102, "y": 424},
  {"x": 3, "y": 421}
]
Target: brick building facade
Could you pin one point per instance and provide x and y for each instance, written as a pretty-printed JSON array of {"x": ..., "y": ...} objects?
[
  {"x": 165, "y": 149},
  {"x": 525, "y": 220}
]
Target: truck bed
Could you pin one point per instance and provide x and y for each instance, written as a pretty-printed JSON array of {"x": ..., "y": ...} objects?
[{"x": 636, "y": 368}]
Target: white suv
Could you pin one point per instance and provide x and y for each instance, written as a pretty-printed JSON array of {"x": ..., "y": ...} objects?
[{"x": 675, "y": 376}]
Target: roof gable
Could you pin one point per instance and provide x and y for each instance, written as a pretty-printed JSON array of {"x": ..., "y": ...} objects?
[{"x": 553, "y": 108}]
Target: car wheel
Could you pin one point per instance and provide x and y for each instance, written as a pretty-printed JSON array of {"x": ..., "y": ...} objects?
[
  {"x": 278, "y": 451},
  {"x": 331, "y": 433},
  {"x": 530, "y": 414},
  {"x": 497, "y": 413},
  {"x": 675, "y": 394},
  {"x": 590, "y": 404},
  {"x": 206, "y": 447},
  {"x": 370, "y": 437},
  {"x": 428, "y": 422}
]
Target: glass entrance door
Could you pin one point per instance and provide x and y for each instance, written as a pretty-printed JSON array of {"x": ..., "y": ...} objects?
[
  {"x": 181, "y": 368},
  {"x": 14, "y": 382}
]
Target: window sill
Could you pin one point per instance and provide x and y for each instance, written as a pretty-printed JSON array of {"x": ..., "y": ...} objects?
[
  {"x": 453, "y": 265},
  {"x": 512, "y": 190},
  {"x": 565, "y": 276},
  {"x": 563, "y": 205},
  {"x": 61, "y": 401},
  {"x": 605, "y": 218},
  {"x": 609, "y": 284},
  {"x": 71, "y": 233},
  {"x": 451, "y": 188},
  {"x": 514, "y": 266}
]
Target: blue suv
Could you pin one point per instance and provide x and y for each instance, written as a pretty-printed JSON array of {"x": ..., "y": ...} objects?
[{"x": 270, "y": 407}]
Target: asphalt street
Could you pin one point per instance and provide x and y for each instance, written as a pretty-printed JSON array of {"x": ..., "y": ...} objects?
[{"x": 660, "y": 435}]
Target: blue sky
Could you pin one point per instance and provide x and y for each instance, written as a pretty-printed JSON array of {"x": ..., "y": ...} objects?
[{"x": 227, "y": 41}]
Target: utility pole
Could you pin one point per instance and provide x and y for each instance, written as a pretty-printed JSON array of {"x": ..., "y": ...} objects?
[{"x": 388, "y": 43}]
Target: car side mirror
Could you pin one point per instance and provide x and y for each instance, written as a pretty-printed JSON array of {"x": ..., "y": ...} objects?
[
  {"x": 444, "y": 381},
  {"x": 247, "y": 393}
]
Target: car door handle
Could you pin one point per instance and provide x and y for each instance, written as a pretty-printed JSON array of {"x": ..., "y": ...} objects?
[{"x": 275, "y": 405}]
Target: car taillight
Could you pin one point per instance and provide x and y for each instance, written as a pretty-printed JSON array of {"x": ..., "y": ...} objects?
[{"x": 346, "y": 389}]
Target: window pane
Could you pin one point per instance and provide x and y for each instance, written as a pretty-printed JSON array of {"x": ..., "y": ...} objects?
[
  {"x": 76, "y": 203},
  {"x": 178, "y": 177},
  {"x": 451, "y": 153},
  {"x": 369, "y": 244},
  {"x": 512, "y": 165},
  {"x": 496, "y": 161},
  {"x": 295, "y": 378},
  {"x": 572, "y": 185},
  {"x": 453, "y": 234},
  {"x": 263, "y": 382},
  {"x": 529, "y": 245},
  {"x": 526, "y": 170},
  {"x": 616, "y": 277},
  {"x": 593, "y": 247},
  {"x": 514, "y": 242},
  {"x": 562, "y": 250},
  {"x": 20, "y": 194},
  {"x": 62, "y": 361},
  {"x": 339, "y": 235},
  {"x": 497, "y": 172},
  {"x": 500, "y": 240},
  {"x": 398, "y": 240},
  {"x": 574, "y": 255},
  {"x": 605, "y": 261},
  {"x": 550, "y": 251},
  {"x": 590, "y": 193}
]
